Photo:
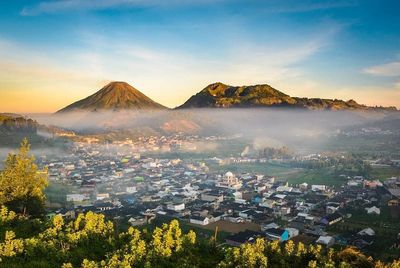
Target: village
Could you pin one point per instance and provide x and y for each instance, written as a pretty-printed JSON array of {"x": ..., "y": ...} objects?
[{"x": 120, "y": 181}]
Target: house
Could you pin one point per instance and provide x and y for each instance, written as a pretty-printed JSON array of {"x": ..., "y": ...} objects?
[
  {"x": 271, "y": 225},
  {"x": 229, "y": 181},
  {"x": 332, "y": 207},
  {"x": 367, "y": 231},
  {"x": 326, "y": 241},
  {"x": 212, "y": 197},
  {"x": 131, "y": 189},
  {"x": 240, "y": 238},
  {"x": 67, "y": 213},
  {"x": 257, "y": 199},
  {"x": 200, "y": 220},
  {"x": 303, "y": 186},
  {"x": 373, "y": 210},
  {"x": 372, "y": 184},
  {"x": 318, "y": 188},
  {"x": 176, "y": 206},
  {"x": 293, "y": 232},
  {"x": 284, "y": 188},
  {"x": 102, "y": 196},
  {"x": 277, "y": 234},
  {"x": 235, "y": 219},
  {"x": 315, "y": 230},
  {"x": 248, "y": 214},
  {"x": 217, "y": 216},
  {"x": 332, "y": 219},
  {"x": 361, "y": 241},
  {"x": 75, "y": 197},
  {"x": 104, "y": 206}
]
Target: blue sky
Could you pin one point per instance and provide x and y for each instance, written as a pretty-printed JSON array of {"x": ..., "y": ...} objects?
[{"x": 55, "y": 52}]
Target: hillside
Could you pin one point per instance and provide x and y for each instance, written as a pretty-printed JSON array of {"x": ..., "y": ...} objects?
[
  {"x": 219, "y": 95},
  {"x": 114, "y": 96},
  {"x": 17, "y": 123},
  {"x": 13, "y": 128}
]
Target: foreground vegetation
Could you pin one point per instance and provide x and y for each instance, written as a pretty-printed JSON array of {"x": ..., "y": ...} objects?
[
  {"x": 91, "y": 241},
  {"x": 29, "y": 240}
]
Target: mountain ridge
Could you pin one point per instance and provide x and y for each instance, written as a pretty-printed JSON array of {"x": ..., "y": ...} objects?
[
  {"x": 122, "y": 96},
  {"x": 115, "y": 95},
  {"x": 219, "y": 95}
]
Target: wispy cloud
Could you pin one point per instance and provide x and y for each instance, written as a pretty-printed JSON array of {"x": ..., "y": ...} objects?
[
  {"x": 294, "y": 6},
  {"x": 48, "y": 7},
  {"x": 167, "y": 74},
  {"x": 272, "y": 6},
  {"x": 387, "y": 69}
]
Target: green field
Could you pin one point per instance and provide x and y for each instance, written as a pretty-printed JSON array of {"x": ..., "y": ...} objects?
[
  {"x": 382, "y": 173},
  {"x": 285, "y": 173},
  {"x": 294, "y": 176}
]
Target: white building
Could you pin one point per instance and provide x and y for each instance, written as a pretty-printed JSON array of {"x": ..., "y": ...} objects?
[
  {"x": 176, "y": 207},
  {"x": 102, "y": 196},
  {"x": 373, "y": 210},
  {"x": 199, "y": 220},
  {"x": 293, "y": 232},
  {"x": 212, "y": 197},
  {"x": 229, "y": 181},
  {"x": 318, "y": 188},
  {"x": 367, "y": 231},
  {"x": 326, "y": 241},
  {"x": 284, "y": 189},
  {"x": 75, "y": 197},
  {"x": 131, "y": 189}
]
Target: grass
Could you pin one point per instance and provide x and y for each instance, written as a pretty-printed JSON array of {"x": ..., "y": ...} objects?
[
  {"x": 284, "y": 173},
  {"x": 382, "y": 173},
  {"x": 270, "y": 169},
  {"x": 323, "y": 176}
]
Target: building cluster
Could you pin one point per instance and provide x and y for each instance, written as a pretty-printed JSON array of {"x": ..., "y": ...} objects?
[{"x": 126, "y": 185}]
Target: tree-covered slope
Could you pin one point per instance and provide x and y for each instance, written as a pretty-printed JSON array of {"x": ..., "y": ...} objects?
[{"x": 219, "y": 95}]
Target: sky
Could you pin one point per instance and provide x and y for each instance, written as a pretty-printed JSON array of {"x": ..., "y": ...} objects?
[{"x": 53, "y": 53}]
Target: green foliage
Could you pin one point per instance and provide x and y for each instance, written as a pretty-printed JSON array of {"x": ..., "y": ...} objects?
[
  {"x": 91, "y": 241},
  {"x": 247, "y": 255},
  {"x": 11, "y": 246},
  {"x": 22, "y": 183}
]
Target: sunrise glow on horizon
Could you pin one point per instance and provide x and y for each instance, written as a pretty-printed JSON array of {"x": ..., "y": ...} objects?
[{"x": 53, "y": 53}]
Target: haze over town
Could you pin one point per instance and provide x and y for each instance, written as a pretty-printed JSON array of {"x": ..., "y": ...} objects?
[{"x": 182, "y": 133}]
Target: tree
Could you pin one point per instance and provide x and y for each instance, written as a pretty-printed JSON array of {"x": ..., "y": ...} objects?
[
  {"x": 22, "y": 183},
  {"x": 247, "y": 255},
  {"x": 167, "y": 240}
]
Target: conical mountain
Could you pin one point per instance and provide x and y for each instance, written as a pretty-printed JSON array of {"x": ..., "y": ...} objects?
[{"x": 115, "y": 96}]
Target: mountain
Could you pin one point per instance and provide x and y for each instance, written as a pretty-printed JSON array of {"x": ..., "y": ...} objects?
[
  {"x": 219, "y": 95},
  {"x": 115, "y": 96}
]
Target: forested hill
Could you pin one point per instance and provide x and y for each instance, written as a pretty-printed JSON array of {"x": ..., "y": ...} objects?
[
  {"x": 219, "y": 95},
  {"x": 14, "y": 127}
]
